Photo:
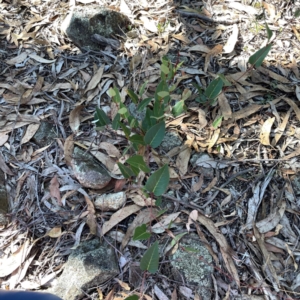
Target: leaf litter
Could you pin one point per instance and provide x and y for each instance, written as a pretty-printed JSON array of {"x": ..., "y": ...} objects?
[{"x": 244, "y": 217}]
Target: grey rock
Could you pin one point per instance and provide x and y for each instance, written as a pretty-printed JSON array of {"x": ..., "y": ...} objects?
[
  {"x": 170, "y": 141},
  {"x": 83, "y": 22},
  {"x": 194, "y": 265},
  {"x": 3, "y": 200},
  {"x": 139, "y": 115},
  {"x": 88, "y": 170},
  {"x": 46, "y": 134},
  {"x": 89, "y": 265}
]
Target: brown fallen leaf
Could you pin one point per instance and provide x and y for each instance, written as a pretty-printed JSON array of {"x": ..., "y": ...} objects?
[
  {"x": 231, "y": 42},
  {"x": 210, "y": 185},
  {"x": 183, "y": 160},
  {"x": 95, "y": 79},
  {"x": 54, "y": 189},
  {"x": 118, "y": 216},
  {"x": 224, "y": 106},
  {"x": 30, "y": 132}
]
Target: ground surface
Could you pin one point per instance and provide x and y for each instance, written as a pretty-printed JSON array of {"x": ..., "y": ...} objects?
[{"x": 247, "y": 203}]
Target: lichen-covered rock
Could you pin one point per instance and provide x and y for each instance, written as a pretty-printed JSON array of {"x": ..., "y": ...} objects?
[
  {"x": 85, "y": 21},
  {"x": 170, "y": 141},
  {"x": 193, "y": 261},
  {"x": 92, "y": 263},
  {"x": 88, "y": 170}
]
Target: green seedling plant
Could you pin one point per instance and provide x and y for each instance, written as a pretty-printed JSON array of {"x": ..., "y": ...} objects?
[
  {"x": 143, "y": 136},
  {"x": 148, "y": 133}
]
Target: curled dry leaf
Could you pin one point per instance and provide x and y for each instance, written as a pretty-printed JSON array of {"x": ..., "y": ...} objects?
[
  {"x": 265, "y": 131},
  {"x": 231, "y": 42},
  {"x": 54, "y": 189},
  {"x": 225, "y": 249},
  {"x": 192, "y": 218},
  {"x": 91, "y": 217},
  {"x": 74, "y": 118}
]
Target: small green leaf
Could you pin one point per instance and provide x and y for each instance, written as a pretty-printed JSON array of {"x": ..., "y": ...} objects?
[
  {"x": 297, "y": 13},
  {"x": 148, "y": 121},
  {"x": 269, "y": 32},
  {"x": 214, "y": 89},
  {"x": 122, "y": 111},
  {"x": 142, "y": 89},
  {"x": 163, "y": 94},
  {"x": 117, "y": 97},
  {"x": 179, "y": 108},
  {"x": 138, "y": 162},
  {"x": 134, "y": 97},
  {"x": 158, "y": 182},
  {"x": 126, "y": 172},
  {"x": 140, "y": 233},
  {"x": 225, "y": 80},
  {"x": 164, "y": 69},
  {"x": 162, "y": 87},
  {"x": 132, "y": 297},
  {"x": 149, "y": 261},
  {"x": 257, "y": 58},
  {"x": 101, "y": 117},
  {"x": 144, "y": 103},
  {"x": 217, "y": 122},
  {"x": 155, "y": 134},
  {"x": 115, "y": 122},
  {"x": 111, "y": 93},
  {"x": 137, "y": 139}
]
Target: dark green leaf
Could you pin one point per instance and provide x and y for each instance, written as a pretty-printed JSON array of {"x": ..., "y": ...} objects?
[
  {"x": 142, "y": 89},
  {"x": 132, "y": 297},
  {"x": 137, "y": 139},
  {"x": 134, "y": 97},
  {"x": 297, "y": 13},
  {"x": 140, "y": 233},
  {"x": 225, "y": 80},
  {"x": 149, "y": 261},
  {"x": 158, "y": 182},
  {"x": 162, "y": 86},
  {"x": 135, "y": 170},
  {"x": 158, "y": 201},
  {"x": 117, "y": 97},
  {"x": 155, "y": 135},
  {"x": 126, "y": 172},
  {"x": 126, "y": 130},
  {"x": 115, "y": 122},
  {"x": 144, "y": 103},
  {"x": 148, "y": 121},
  {"x": 214, "y": 89},
  {"x": 101, "y": 117},
  {"x": 138, "y": 162},
  {"x": 179, "y": 108},
  {"x": 269, "y": 32},
  {"x": 257, "y": 58},
  {"x": 158, "y": 109}
]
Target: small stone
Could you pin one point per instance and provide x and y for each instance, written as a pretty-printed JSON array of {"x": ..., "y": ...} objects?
[
  {"x": 46, "y": 134},
  {"x": 85, "y": 21},
  {"x": 111, "y": 201},
  {"x": 170, "y": 141},
  {"x": 88, "y": 170},
  {"x": 89, "y": 265}
]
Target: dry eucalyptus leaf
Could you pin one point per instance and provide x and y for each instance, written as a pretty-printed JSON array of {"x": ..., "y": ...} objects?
[{"x": 265, "y": 132}]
